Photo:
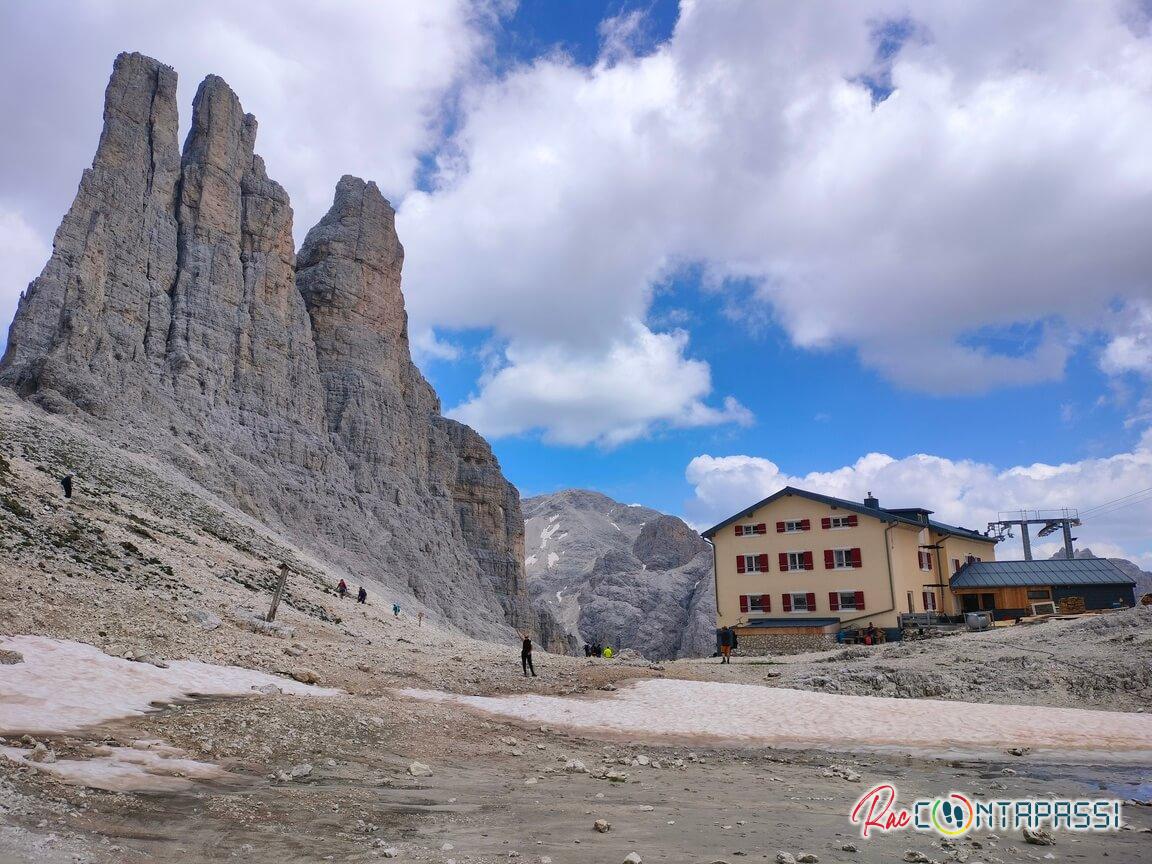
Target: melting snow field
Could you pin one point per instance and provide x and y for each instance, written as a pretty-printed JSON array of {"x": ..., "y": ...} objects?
[
  {"x": 62, "y": 687},
  {"x": 765, "y": 716}
]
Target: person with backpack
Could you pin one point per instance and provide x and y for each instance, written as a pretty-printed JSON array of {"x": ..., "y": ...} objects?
[
  {"x": 727, "y": 637},
  {"x": 342, "y": 589},
  {"x": 362, "y": 595},
  {"x": 526, "y": 656}
]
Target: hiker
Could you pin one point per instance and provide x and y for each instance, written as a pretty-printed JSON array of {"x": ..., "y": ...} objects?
[
  {"x": 587, "y": 650},
  {"x": 526, "y": 656},
  {"x": 342, "y": 589},
  {"x": 420, "y": 619},
  {"x": 395, "y": 610},
  {"x": 726, "y": 635},
  {"x": 607, "y": 652},
  {"x": 870, "y": 634},
  {"x": 66, "y": 482},
  {"x": 362, "y": 595}
]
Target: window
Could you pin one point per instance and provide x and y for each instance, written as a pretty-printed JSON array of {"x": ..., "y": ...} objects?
[
  {"x": 752, "y": 563},
  {"x": 929, "y": 601},
  {"x": 748, "y": 529},
  {"x": 799, "y": 602},
  {"x": 1039, "y": 594},
  {"x": 755, "y": 603},
  {"x": 838, "y": 600},
  {"x": 841, "y": 559},
  {"x": 791, "y": 526},
  {"x": 851, "y": 520},
  {"x": 795, "y": 560},
  {"x": 925, "y": 559},
  {"x": 955, "y": 564}
]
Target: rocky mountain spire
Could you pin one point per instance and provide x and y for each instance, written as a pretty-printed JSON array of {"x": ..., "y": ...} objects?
[{"x": 176, "y": 318}]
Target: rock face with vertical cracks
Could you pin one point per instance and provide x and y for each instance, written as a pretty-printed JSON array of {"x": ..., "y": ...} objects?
[{"x": 175, "y": 317}]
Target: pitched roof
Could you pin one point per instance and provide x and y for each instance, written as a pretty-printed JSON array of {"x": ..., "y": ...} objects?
[
  {"x": 895, "y": 515},
  {"x": 1054, "y": 571}
]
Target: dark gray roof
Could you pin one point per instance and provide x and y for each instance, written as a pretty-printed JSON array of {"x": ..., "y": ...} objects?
[
  {"x": 900, "y": 515},
  {"x": 1055, "y": 571}
]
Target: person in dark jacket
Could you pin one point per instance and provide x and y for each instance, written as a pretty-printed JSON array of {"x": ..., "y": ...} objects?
[
  {"x": 727, "y": 637},
  {"x": 362, "y": 595},
  {"x": 66, "y": 482},
  {"x": 526, "y": 656}
]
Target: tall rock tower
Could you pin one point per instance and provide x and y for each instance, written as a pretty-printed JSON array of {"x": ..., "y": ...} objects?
[{"x": 175, "y": 317}]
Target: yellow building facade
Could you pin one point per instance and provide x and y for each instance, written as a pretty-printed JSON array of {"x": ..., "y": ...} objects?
[{"x": 800, "y": 559}]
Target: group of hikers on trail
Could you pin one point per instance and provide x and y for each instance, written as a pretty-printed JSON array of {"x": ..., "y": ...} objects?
[
  {"x": 597, "y": 650},
  {"x": 361, "y": 595}
]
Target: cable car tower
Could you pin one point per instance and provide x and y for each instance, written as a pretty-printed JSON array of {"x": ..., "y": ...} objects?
[{"x": 1053, "y": 520}]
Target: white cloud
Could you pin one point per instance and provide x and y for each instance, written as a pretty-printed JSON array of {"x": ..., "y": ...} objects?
[
  {"x": 960, "y": 492},
  {"x": 961, "y": 234},
  {"x": 1130, "y": 348},
  {"x": 638, "y": 385}
]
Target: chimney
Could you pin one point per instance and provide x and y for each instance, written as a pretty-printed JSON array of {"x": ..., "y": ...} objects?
[{"x": 871, "y": 502}]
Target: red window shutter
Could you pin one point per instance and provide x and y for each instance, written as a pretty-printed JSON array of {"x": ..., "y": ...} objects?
[
  {"x": 808, "y": 561},
  {"x": 779, "y": 527},
  {"x": 805, "y": 524},
  {"x": 856, "y": 561},
  {"x": 853, "y": 519},
  {"x": 826, "y": 522},
  {"x": 760, "y": 528},
  {"x": 834, "y": 601},
  {"x": 739, "y": 530},
  {"x": 783, "y": 562},
  {"x": 739, "y": 563},
  {"x": 787, "y": 598},
  {"x": 829, "y": 560},
  {"x": 766, "y": 602},
  {"x": 925, "y": 596},
  {"x": 859, "y": 599},
  {"x": 928, "y": 559},
  {"x": 811, "y": 602},
  {"x": 743, "y": 602},
  {"x": 762, "y": 562}
]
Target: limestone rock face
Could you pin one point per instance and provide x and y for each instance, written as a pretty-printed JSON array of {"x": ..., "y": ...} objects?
[
  {"x": 622, "y": 575},
  {"x": 176, "y": 317}
]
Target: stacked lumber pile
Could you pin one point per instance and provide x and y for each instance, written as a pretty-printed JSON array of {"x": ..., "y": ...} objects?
[{"x": 1072, "y": 605}]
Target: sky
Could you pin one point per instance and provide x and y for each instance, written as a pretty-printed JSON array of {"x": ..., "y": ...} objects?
[{"x": 686, "y": 253}]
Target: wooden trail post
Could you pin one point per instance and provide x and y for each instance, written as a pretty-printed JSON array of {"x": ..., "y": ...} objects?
[{"x": 276, "y": 595}]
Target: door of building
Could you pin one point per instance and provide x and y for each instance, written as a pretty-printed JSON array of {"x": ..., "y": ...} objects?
[
  {"x": 911, "y": 608},
  {"x": 988, "y": 602},
  {"x": 970, "y": 602}
]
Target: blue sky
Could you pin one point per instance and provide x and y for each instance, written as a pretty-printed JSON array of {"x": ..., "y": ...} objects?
[{"x": 686, "y": 253}]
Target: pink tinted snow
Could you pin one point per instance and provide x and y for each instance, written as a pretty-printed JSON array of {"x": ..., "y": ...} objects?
[
  {"x": 64, "y": 686},
  {"x": 749, "y": 715}
]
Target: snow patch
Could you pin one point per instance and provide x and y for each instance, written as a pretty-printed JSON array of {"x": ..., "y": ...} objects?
[
  {"x": 63, "y": 686},
  {"x": 530, "y": 560},
  {"x": 546, "y": 534},
  {"x": 125, "y": 769},
  {"x": 766, "y": 716},
  {"x": 552, "y": 559},
  {"x": 614, "y": 525}
]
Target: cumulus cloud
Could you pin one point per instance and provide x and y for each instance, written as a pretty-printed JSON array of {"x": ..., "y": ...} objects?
[
  {"x": 961, "y": 492},
  {"x": 1130, "y": 348},
  {"x": 958, "y": 196},
  {"x": 639, "y": 384}
]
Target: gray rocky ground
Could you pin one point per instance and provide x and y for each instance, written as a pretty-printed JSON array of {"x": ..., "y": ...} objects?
[{"x": 621, "y": 575}]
